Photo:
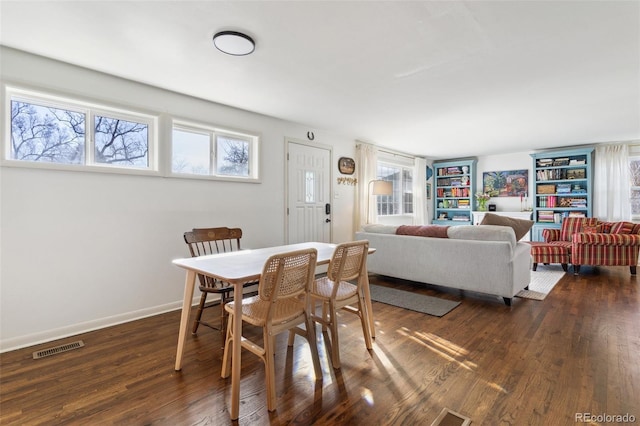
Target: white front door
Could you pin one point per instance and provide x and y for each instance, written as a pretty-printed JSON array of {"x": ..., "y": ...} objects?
[{"x": 309, "y": 193}]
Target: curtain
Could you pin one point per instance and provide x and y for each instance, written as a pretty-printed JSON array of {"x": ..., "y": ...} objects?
[
  {"x": 419, "y": 191},
  {"x": 612, "y": 183},
  {"x": 366, "y": 170}
]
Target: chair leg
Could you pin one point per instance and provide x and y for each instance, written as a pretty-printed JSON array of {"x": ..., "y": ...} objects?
[
  {"x": 564, "y": 267},
  {"x": 292, "y": 336},
  {"x": 324, "y": 315},
  {"x": 335, "y": 345},
  {"x": 633, "y": 269},
  {"x": 224, "y": 315},
  {"x": 313, "y": 346},
  {"x": 270, "y": 372},
  {"x": 196, "y": 322},
  {"x": 226, "y": 357},
  {"x": 362, "y": 313},
  {"x": 535, "y": 266},
  {"x": 576, "y": 269}
]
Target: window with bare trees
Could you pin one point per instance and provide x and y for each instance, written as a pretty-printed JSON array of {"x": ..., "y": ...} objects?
[
  {"x": 200, "y": 150},
  {"x": 50, "y": 130}
]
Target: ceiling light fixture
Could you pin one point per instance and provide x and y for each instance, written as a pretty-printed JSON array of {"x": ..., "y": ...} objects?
[{"x": 234, "y": 43}]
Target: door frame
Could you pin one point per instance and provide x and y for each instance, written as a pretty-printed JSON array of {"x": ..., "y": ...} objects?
[{"x": 290, "y": 140}]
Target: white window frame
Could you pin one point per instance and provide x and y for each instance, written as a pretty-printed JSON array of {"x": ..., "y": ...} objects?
[
  {"x": 213, "y": 131},
  {"x": 90, "y": 110},
  {"x": 403, "y": 163}
]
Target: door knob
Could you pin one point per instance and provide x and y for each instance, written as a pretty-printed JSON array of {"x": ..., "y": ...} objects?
[{"x": 327, "y": 220}]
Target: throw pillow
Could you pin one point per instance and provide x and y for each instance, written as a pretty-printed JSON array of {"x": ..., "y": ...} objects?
[
  {"x": 433, "y": 231},
  {"x": 622, "y": 228},
  {"x": 589, "y": 229},
  {"x": 379, "y": 229},
  {"x": 520, "y": 226}
]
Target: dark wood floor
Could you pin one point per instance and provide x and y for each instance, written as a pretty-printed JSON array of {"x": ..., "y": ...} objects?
[{"x": 538, "y": 363}]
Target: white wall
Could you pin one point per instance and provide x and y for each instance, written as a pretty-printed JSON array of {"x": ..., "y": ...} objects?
[{"x": 82, "y": 250}]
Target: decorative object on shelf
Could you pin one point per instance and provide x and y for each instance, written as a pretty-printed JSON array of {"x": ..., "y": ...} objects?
[
  {"x": 492, "y": 207},
  {"x": 347, "y": 181},
  {"x": 509, "y": 183},
  {"x": 523, "y": 202},
  {"x": 378, "y": 187},
  {"x": 346, "y": 165},
  {"x": 482, "y": 198}
]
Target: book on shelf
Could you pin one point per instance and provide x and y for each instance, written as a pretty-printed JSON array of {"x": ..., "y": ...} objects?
[
  {"x": 460, "y": 218},
  {"x": 564, "y": 161},
  {"x": 545, "y": 216},
  {"x": 577, "y": 161},
  {"x": 577, "y": 214}
]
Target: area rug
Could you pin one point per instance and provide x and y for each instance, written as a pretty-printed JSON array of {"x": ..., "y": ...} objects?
[
  {"x": 542, "y": 282},
  {"x": 412, "y": 301}
]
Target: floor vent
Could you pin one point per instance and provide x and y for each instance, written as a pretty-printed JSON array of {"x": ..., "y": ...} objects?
[
  {"x": 451, "y": 418},
  {"x": 58, "y": 349}
]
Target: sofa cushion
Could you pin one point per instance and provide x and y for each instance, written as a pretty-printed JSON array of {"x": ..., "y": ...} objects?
[
  {"x": 520, "y": 226},
  {"x": 623, "y": 228},
  {"x": 379, "y": 229},
  {"x": 483, "y": 233},
  {"x": 433, "y": 231},
  {"x": 572, "y": 225}
]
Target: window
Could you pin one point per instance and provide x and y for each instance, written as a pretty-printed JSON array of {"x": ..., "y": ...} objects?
[
  {"x": 634, "y": 172},
  {"x": 51, "y": 130},
  {"x": 401, "y": 201},
  {"x": 207, "y": 151}
]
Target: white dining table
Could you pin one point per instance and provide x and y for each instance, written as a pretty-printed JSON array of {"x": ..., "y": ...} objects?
[{"x": 237, "y": 268}]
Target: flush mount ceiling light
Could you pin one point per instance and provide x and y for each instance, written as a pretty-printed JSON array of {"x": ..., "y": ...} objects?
[{"x": 234, "y": 43}]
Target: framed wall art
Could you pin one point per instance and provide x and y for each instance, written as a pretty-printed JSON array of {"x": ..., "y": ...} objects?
[
  {"x": 509, "y": 183},
  {"x": 346, "y": 165}
]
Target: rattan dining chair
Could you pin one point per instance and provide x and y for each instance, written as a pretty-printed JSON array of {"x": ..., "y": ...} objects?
[
  {"x": 204, "y": 241},
  {"x": 348, "y": 263},
  {"x": 281, "y": 304}
]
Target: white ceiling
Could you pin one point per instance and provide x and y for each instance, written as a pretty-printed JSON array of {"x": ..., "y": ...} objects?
[{"x": 437, "y": 78}]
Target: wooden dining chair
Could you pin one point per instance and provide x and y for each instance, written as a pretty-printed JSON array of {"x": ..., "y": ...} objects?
[
  {"x": 335, "y": 293},
  {"x": 282, "y": 304},
  {"x": 204, "y": 241}
]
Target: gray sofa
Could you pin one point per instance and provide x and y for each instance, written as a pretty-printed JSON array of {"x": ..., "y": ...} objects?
[{"x": 485, "y": 258}]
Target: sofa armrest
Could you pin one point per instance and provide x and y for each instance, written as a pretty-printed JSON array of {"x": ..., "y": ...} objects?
[
  {"x": 606, "y": 239},
  {"x": 550, "y": 234}
]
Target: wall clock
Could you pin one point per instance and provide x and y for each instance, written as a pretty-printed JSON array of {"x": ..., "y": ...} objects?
[{"x": 346, "y": 165}]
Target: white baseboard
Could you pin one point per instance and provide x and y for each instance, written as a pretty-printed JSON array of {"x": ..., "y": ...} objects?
[{"x": 72, "y": 330}]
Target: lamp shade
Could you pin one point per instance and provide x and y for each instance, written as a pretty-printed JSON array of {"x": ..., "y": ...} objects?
[{"x": 382, "y": 187}]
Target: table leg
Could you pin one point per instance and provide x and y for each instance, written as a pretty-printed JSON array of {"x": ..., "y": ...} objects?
[
  {"x": 236, "y": 347},
  {"x": 189, "y": 284}
]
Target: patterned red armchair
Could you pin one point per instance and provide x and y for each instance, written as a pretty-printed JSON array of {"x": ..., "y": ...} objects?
[{"x": 591, "y": 242}]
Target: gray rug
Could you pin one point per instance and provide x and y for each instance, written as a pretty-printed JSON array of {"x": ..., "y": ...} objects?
[{"x": 412, "y": 301}]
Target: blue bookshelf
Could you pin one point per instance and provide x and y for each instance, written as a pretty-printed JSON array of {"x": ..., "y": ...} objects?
[
  {"x": 454, "y": 189},
  {"x": 563, "y": 182}
]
